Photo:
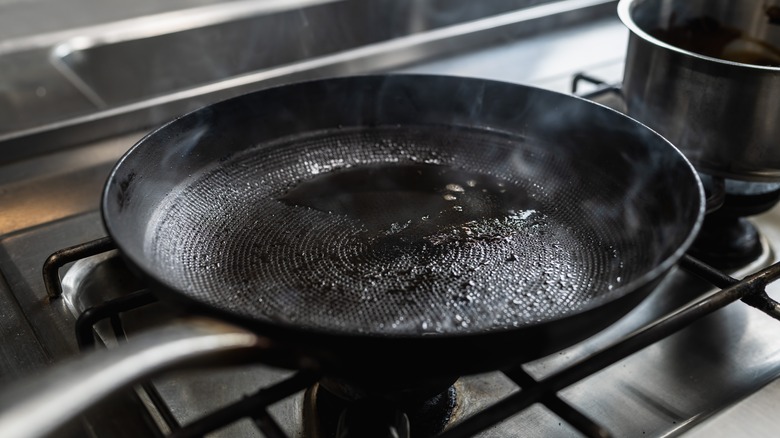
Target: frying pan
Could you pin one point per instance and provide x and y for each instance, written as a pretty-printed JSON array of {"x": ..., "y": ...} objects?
[{"x": 404, "y": 228}]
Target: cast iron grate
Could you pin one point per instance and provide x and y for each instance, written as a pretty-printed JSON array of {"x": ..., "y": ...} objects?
[{"x": 751, "y": 290}]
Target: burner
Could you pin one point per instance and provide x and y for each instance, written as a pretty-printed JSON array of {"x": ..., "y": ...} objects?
[
  {"x": 727, "y": 239},
  {"x": 726, "y": 242},
  {"x": 330, "y": 416}
]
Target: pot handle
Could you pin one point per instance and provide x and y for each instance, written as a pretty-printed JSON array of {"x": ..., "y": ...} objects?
[{"x": 39, "y": 405}]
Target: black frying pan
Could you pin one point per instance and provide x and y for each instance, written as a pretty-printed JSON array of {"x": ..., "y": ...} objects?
[{"x": 405, "y": 227}]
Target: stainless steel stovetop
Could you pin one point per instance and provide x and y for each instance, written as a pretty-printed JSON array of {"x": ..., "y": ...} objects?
[{"x": 716, "y": 377}]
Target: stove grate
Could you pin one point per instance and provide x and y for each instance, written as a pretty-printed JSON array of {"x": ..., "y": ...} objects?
[{"x": 751, "y": 290}]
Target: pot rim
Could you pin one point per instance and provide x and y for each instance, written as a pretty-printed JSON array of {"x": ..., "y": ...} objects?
[{"x": 624, "y": 9}]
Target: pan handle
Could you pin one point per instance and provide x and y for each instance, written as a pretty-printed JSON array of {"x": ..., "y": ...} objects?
[{"x": 38, "y": 406}]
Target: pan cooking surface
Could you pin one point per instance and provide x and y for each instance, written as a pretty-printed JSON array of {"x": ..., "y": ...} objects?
[{"x": 398, "y": 231}]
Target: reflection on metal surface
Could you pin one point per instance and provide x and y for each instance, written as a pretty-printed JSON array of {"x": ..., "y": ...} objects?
[
  {"x": 52, "y": 265},
  {"x": 175, "y": 59},
  {"x": 60, "y": 185},
  {"x": 466, "y": 28},
  {"x": 755, "y": 416}
]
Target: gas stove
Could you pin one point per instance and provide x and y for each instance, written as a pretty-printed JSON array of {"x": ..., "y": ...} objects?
[{"x": 716, "y": 375}]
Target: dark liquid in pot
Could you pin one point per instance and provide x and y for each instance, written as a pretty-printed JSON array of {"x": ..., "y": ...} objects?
[{"x": 707, "y": 36}]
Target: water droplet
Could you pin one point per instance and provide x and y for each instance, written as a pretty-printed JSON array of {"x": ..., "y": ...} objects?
[
  {"x": 454, "y": 188},
  {"x": 471, "y": 183}
]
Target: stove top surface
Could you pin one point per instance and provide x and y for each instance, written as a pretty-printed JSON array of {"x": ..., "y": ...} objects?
[{"x": 669, "y": 388}]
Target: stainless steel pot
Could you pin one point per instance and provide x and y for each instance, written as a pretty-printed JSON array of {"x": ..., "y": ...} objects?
[{"x": 711, "y": 100}]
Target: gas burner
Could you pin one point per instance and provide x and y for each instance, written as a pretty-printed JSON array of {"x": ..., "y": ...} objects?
[
  {"x": 727, "y": 242},
  {"x": 727, "y": 239},
  {"x": 329, "y": 416}
]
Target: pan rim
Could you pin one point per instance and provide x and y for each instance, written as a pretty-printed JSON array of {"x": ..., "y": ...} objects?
[{"x": 173, "y": 293}]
